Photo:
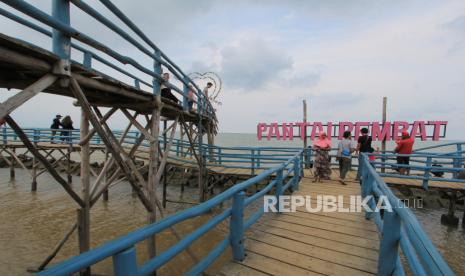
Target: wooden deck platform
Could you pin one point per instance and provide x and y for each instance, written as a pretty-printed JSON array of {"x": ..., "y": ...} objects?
[
  {"x": 22, "y": 64},
  {"x": 432, "y": 184},
  {"x": 304, "y": 243},
  {"x": 189, "y": 162}
]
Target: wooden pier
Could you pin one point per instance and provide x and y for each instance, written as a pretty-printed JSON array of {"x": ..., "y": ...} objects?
[{"x": 304, "y": 243}]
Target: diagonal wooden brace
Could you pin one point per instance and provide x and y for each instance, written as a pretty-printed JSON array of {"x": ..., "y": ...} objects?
[
  {"x": 138, "y": 125},
  {"x": 91, "y": 133},
  {"x": 109, "y": 140},
  {"x": 18, "y": 99}
]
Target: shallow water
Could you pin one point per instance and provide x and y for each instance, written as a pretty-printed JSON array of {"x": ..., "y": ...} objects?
[
  {"x": 33, "y": 223},
  {"x": 450, "y": 241}
]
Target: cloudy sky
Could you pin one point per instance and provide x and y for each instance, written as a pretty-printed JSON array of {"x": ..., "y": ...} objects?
[{"x": 341, "y": 56}]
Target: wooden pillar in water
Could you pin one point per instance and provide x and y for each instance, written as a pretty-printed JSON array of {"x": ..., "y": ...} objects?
[
  {"x": 84, "y": 212},
  {"x": 154, "y": 155},
  {"x": 153, "y": 168},
  {"x": 211, "y": 142},
  {"x": 34, "y": 174},
  {"x": 12, "y": 164},
  {"x": 305, "y": 130},
  {"x": 105, "y": 178},
  {"x": 68, "y": 164},
  {"x": 181, "y": 147},
  {"x": 383, "y": 143},
  {"x": 164, "y": 169},
  {"x": 201, "y": 163}
]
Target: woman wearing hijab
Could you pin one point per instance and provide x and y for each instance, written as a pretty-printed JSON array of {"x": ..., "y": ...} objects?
[
  {"x": 67, "y": 127},
  {"x": 322, "y": 146}
]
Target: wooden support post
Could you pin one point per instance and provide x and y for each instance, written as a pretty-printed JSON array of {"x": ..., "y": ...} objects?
[
  {"x": 34, "y": 174},
  {"x": 105, "y": 179},
  {"x": 305, "y": 130},
  {"x": 201, "y": 175},
  {"x": 12, "y": 164},
  {"x": 383, "y": 143},
  {"x": 164, "y": 167},
  {"x": 68, "y": 164},
  {"x": 84, "y": 212},
  {"x": 181, "y": 150},
  {"x": 153, "y": 169},
  {"x": 450, "y": 218},
  {"x": 211, "y": 142}
]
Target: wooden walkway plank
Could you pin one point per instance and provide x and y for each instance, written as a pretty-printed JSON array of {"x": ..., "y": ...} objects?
[
  {"x": 336, "y": 257},
  {"x": 299, "y": 260},
  {"x": 334, "y": 221},
  {"x": 272, "y": 266},
  {"x": 328, "y": 243},
  {"x": 335, "y": 246}
]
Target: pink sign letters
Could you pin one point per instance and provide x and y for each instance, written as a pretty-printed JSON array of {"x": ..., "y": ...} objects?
[{"x": 388, "y": 131}]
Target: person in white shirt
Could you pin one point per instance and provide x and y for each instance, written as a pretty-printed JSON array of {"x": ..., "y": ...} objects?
[{"x": 205, "y": 90}]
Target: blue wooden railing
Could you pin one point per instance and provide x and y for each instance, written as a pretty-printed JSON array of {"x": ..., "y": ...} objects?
[
  {"x": 123, "y": 251},
  {"x": 254, "y": 159},
  {"x": 399, "y": 230},
  {"x": 62, "y": 34}
]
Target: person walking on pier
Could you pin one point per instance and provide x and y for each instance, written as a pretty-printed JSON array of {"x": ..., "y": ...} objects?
[
  {"x": 363, "y": 145},
  {"x": 404, "y": 147},
  {"x": 166, "y": 91},
  {"x": 67, "y": 127},
  {"x": 55, "y": 126},
  {"x": 322, "y": 146},
  {"x": 344, "y": 155}
]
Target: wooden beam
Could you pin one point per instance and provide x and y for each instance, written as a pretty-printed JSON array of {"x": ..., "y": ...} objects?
[
  {"x": 91, "y": 133},
  {"x": 23, "y": 137},
  {"x": 138, "y": 125},
  {"x": 84, "y": 212},
  {"x": 13, "y": 155},
  {"x": 57, "y": 248},
  {"x": 109, "y": 141},
  {"x": 166, "y": 154},
  {"x": 20, "y": 98},
  {"x": 191, "y": 142},
  {"x": 109, "y": 162}
]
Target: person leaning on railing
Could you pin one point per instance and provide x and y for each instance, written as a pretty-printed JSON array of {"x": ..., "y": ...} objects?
[
  {"x": 404, "y": 146},
  {"x": 55, "y": 126},
  {"x": 67, "y": 125},
  {"x": 166, "y": 91},
  {"x": 363, "y": 145}
]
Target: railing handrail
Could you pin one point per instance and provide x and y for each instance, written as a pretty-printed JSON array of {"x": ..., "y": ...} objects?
[
  {"x": 408, "y": 231},
  {"x": 114, "y": 247}
]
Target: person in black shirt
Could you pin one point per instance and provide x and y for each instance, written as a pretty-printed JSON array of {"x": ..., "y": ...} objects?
[
  {"x": 66, "y": 132},
  {"x": 363, "y": 145},
  {"x": 55, "y": 125}
]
